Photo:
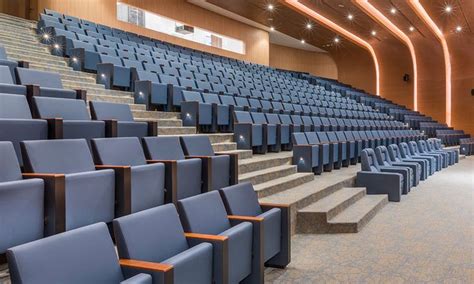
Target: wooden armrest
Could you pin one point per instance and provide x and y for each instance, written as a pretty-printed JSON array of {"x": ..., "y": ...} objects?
[
  {"x": 245, "y": 218},
  {"x": 206, "y": 237},
  {"x": 161, "y": 161},
  {"x": 113, "y": 167},
  {"x": 41, "y": 175},
  {"x": 81, "y": 94},
  {"x": 198, "y": 157},
  {"x": 111, "y": 127},
  {"x": 146, "y": 265},
  {"x": 274, "y": 205}
]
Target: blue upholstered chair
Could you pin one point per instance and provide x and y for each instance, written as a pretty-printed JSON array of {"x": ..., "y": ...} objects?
[
  {"x": 112, "y": 73},
  {"x": 379, "y": 180},
  {"x": 249, "y": 135},
  {"x": 16, "y": 123},
  {"x": 184, "y": 177},
  {"x": 435, "y": 144},
  {"x": 206, "y": 218},
  {"x": 67, "y": 118},
  {"x": 195, "y": 112},
  {"x": 75, "y": 193},
  {"x": 154, "y": 238},
  {"x": 449, "y": 157},
  {"x": 9, "y": 64},
  {"x": 272, "y": 220},
  {"x": 84, "y": 255},
  {"x": 7, "y": 83},
  {"x": 46, "y": 84},
  {"x": 351, "y": 150},
  {"x": 442, "y": 158},
  {"x": 396, "y": 156},
  {"x": 220, "y": 170},
  {"x": 414, "y": 150},
  {"x": 21, "y": 202},
  {"x": 407, "y": 154},
  {"x": 223, "y": 113},
  {"x": 307, "y": 157},
  {"x": 410, "y": 175},
  {"x": 285, "y": 131},
  {"x": 338, "y": 151},
  {"x": 139, "y": 185},
  {"x": 119, "y": 120},
  {"x": 329, "y": 156}
]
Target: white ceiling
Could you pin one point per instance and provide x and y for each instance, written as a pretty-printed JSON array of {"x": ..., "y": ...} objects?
[{"x": 276, "y": 37}]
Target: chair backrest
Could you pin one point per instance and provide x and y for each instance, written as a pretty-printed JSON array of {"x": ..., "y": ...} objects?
[
  {"x": 63, "y": 156},
  {"x": 299, "y": 138},
  {"x": 196, "y": 145},
  {"x": 241, "y": 199},
  {"x": 84, "y": 255},
  {"x": 67, "y": 109},
  {"x": 122, "y": 151},
  {"x": 163, "y": 148},
  {"x": 41, "y": 78},
  {"x": 312, "y": 138},
  {"x": 243, "y": 117},
  {"x": 192, "y": 96},
  {"x": 14, "y": 107},
  {"x": 259, "y": 117},
  {"x": 151, "y": 235},
  {"x": 383, "y": 158},
  {"x": 3, "y": 53},
  {"x": 273, "y": 118},
  {"x": 106, "y": 111},
  {"x": 413, "y": 146},
  {"x": 211, "y": 98},
  {"x": 204, "y": 213},
  {"x": 394, "y": 153},
  {"x": 5, "y": 75},
  {"x": 9, "y": 166},
  {"x": 405, "y": 150},
  {"x": 369, "y": 161},
  {"x": 422, "y": 147}
]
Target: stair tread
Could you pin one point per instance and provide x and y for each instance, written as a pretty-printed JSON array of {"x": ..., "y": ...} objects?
[
  {"x": 266, "y": 171},
  {"x": 357, "y": 211},
  {"x": 331, "y": 201},
  {"x": 239, "y": 152},
  {"x": 264, "y": 185},
  {"x": 268, "y": 157}
]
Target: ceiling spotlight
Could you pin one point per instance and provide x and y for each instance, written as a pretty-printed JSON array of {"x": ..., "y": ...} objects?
[
  {"x": 272, "y": 29},
  {"x": 411, "y": 28},
  {"x": 270, "y": 7},
  {"x": 374, "y": 33},
  {"x": 309, "y": 26},
  {"x": 336, "y": 40},
  {"x": 393, "y": 11},
  {"x": 350, "y": 17},
  {"x": 302, "y": 41},
  {"x": 448, "y": 9},
  {"x": 458, "y": 29}
]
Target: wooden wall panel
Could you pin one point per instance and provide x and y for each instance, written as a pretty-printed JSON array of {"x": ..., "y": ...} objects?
[
  {"x": 316, "y": 63},
  {"x": 17, "y": 8},
  {"x": 104, "y": 12}
]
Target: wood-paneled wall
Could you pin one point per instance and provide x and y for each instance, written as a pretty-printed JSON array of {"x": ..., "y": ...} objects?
[
  {"x": 316, "y": 63},
  {"x": 104, "y": 12},
  {"x": 17, "y": 8}
]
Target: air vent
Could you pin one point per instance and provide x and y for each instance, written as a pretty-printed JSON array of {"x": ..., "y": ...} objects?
[{"x": 184, "y": 29}]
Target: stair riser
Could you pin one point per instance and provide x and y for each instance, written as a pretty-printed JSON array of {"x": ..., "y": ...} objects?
[
  {"x": 221, "y": 138},
  {"x": 155, "y": 115},
  {"x": 284, "y": 186},
  {"x": 101, "y": 98},
  {"x": 32, "y": 48},
  {"x": 269, "y": 176},
  {"x": 260, "y": 165},
  {"x": 225, "y": 147},
  {"x": 31, "y": 59},
  {"x": 356, "y": 227},
  {"x": 317, "y": 222},
  {"x": 176, "y": 131}
]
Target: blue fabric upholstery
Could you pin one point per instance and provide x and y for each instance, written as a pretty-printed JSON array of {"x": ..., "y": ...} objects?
[
  {"x": 49, "y": 82},
  {"x": 84, "y": 255},
  {"x": 156, "y": 235},
  {"x": 118, "y": 151},
  {"x": 106, "y": 111}
]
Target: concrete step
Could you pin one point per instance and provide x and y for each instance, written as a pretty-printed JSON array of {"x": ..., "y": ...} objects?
[
  {"x": 278, "y": 185},
  {"x": 155, "y": 115},
  {"x": 354, "y": 218},
  {"x": 108, "y": 98},
  {"x": 243, "y": 154},
  {"x": 61, "y": 70},
  {"x": 221, "y": 137},
  {"x": 314, "y": 218},
  {"x": 307, "y": 193},
  {"x": 165, "y": 122},
  {"x": 33, "y": 48},
  {"x": 260, "y": 162},
  {"x": 265, "y": 175},
  {"x": 224, "y": 146},
  {"x": 18, "y": 57},
  {"x": 163, "y": 130}
]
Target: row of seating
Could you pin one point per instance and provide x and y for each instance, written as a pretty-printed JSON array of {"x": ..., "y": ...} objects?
[
  {"x": 318, "y": 151},
  {"x": 65, "y": 185},
  {"x": 451, "y": 137},
  {"x": 466, "y": 146},
  {"x": 211, "y": 238},
  {"x": 395, "y": 169}
]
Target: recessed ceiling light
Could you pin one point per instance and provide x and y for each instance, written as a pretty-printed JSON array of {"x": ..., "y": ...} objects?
[
  {"x": 458, "y": 29},
  {"x": 448, "y": 9},
  {"x": 411, "y": 28},
  {"x": 393, "y": 11},
  {"x": 374, "y": 33},
  {"x": 336, "y": 40},
  {"x": 309, "y": 26},
  {"x": 350, "y": 17},
  {"x": 272, "y": 29},
  {"x": 340, "y": 5},
  {"x": 302, "y": 41},
  {"x": 270, "y": 7}
]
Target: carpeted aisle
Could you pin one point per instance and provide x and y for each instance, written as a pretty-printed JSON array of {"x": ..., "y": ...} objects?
[{"x": 428, "y": 237}]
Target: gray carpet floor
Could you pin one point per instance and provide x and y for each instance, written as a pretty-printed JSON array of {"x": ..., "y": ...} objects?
[{"x": 426, "y": 238}]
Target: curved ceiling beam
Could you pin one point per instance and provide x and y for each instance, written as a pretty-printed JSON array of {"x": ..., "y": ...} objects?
[
  {"x": 294, "y": 4},
  {"x": 375, "y": 14},
  {"x": 423, "y": 15}
]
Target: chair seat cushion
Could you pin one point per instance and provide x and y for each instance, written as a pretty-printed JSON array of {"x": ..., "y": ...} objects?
[
  {"x": 272, "y": 232},
  {"x": 240, "y": 251},
  {"x": 193, "y": 265}
]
